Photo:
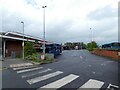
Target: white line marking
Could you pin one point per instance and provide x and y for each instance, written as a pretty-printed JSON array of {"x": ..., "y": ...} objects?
[
  {"x": 32, "y": 74},
  {"x": 93, "y": 72},
  {"x": 27, "y": 70},
  {"x": 61, "y": 82},
  {"x": 89, "y": 65},
  {"x": 20, "y": 65},
  {"x": 112, "y": 86},
  {"x": 18, "y": 68},
  {"x": 41, "y": 78},
  {"x": 92, "y": 84},
  {"x": 81, "y": 57}
]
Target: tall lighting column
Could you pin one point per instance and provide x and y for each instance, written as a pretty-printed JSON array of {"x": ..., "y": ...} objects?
[
  {"x": 91, "y": 35},
  {"x": 91, "y": 38},
  {"x": 44, "y": 29},
  {"x": 23, "y": 38}
]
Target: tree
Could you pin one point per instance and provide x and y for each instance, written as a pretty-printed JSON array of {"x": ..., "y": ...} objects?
[
  {"x": 92, "y": 45},
  {"x": 29, "y": 49},
  {"x": 84, "y": 46}
]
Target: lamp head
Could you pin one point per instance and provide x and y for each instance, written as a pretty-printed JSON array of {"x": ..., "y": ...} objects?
[
  {"x": 22, "y": 22},
  {"x": 44, "y": 6}
]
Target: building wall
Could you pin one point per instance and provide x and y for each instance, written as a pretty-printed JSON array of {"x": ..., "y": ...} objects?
[
  {"x": 13, "y": 48},
  {"x": 107, "y": 53}
]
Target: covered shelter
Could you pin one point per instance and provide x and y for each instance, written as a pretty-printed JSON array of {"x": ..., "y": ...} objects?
[{"x": 12, "y": 43}]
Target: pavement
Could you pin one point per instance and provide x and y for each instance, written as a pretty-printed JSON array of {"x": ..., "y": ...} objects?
[
  {"x": 15, "y": 62},
  {"x": 74, "y": 69}
]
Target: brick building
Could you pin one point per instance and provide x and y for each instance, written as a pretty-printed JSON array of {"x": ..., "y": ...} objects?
[{"x": 12, "y": 43}]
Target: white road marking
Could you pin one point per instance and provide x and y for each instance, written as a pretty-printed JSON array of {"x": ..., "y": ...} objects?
[
  {"x": 103, "y": 64},
  {"x": 32, "y": 74},
  {"x": 81, "y": 57},
  {"x": 41, "y": 78},
  {"x": 112, "y": 86},
  {"x": 92, "y": 84},
  {"x": 61, "y": 82},
  {"x": 27, "y": 70},
  {"x": 90, "y": 65},
  {"x": 93, "y": 72},
  {"x": 18, "y": 68},
  {"x": 20, "y": 65}
]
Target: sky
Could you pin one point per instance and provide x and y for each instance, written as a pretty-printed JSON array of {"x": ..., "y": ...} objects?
[{"x": 65, "y": 20}]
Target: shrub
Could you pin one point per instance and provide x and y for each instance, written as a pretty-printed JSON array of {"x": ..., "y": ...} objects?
[
  {"x": 29, "y": 49},
  {"x": 36, "y": 58},
  {"x": 92, "y": 45}
]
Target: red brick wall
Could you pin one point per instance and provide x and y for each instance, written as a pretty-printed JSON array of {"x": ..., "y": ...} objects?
[
  {"x": 13, "y": 46},
  {"x": 107, "y": 53}
]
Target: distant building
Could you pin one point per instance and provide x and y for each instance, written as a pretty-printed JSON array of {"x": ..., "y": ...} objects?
[{"x": 113, "y": 45}]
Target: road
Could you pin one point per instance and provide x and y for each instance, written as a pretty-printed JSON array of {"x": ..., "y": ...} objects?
[{"x": 73, "y": 69}]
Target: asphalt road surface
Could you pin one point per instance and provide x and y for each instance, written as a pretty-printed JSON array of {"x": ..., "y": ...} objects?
[{"x": 74, "y": 69}]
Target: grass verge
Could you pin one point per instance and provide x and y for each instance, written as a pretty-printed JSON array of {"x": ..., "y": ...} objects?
[{"x": 36, "y": 57}]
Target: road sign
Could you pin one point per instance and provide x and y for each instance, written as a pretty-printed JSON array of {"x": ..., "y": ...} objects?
[
  {"x": 42, "y": 57},
  {"x": 118, "y": 53}
]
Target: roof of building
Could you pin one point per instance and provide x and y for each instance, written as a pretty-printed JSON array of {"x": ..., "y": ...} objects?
[{"x": 19, "y": 36}]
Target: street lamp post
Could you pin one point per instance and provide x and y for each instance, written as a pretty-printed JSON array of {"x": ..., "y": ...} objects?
[
  {"x": 44, "y": 29},
  {"x": 91, "y": 38},
  {"x": 23, "y": 39},
  {"x": 91, "y": 35}
]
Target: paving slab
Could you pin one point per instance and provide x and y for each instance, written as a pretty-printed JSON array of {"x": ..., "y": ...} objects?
[{"x": 8, "y": 63}]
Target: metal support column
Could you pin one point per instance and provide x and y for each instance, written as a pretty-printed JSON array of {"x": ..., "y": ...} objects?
[{"x": 4, "y": 49}]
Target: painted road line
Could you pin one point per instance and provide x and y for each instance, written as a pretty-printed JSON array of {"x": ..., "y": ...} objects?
[
  {"x": 61, "y": 82},
  {"x": 41, "y": 78},
  {"x": 27, "y": 70},
  {"x": 32, "y": 74},
  {"x": 92, "y": 84},
  {"x": 20, "y": 65},
  {"x": 19, "y": 68},
  {"x": 113, "y": 86}
]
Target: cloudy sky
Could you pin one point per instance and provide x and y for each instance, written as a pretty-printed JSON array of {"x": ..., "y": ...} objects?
[{"x": 66, "y": 20}]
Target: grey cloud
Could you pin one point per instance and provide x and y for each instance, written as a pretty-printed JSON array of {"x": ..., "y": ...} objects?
[
  {"x": 12, "y": 22},
  {"x": 62, "y": 32},
  {"x": 102, "y": 13},
  {"x": 58, "y": 31},
  {"x": 31, "y": 2},
  {"x": 66, "y": 29}
]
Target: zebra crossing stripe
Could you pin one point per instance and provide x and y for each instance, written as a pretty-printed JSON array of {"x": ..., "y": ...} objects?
[
  {"x": 92, "y": 84},
  {"x": 27, "y": 70},
  {"x": 61, "y": 82},
  {"x": 18, "y": 68},
  {"x": 41, "y": 78},
  {"x": 32, "y": 74},
  {"x": 20, "y": 65}
]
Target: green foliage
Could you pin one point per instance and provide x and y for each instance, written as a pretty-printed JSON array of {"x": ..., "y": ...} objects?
[
  {"x": 36, "y": 58},
  {"x": 70, "y": 45},
  {"x": 29, "y": 49},
  {"x": 92, "y": 45},
  {"x": 19, "y": 56}
]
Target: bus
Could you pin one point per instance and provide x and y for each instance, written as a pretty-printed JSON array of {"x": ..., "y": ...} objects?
[{"x": 54, "y": 49}]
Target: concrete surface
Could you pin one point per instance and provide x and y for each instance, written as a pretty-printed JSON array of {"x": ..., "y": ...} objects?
[
  {"x": 78, "y": 62},
  {"x": 7, "y": 62}
]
